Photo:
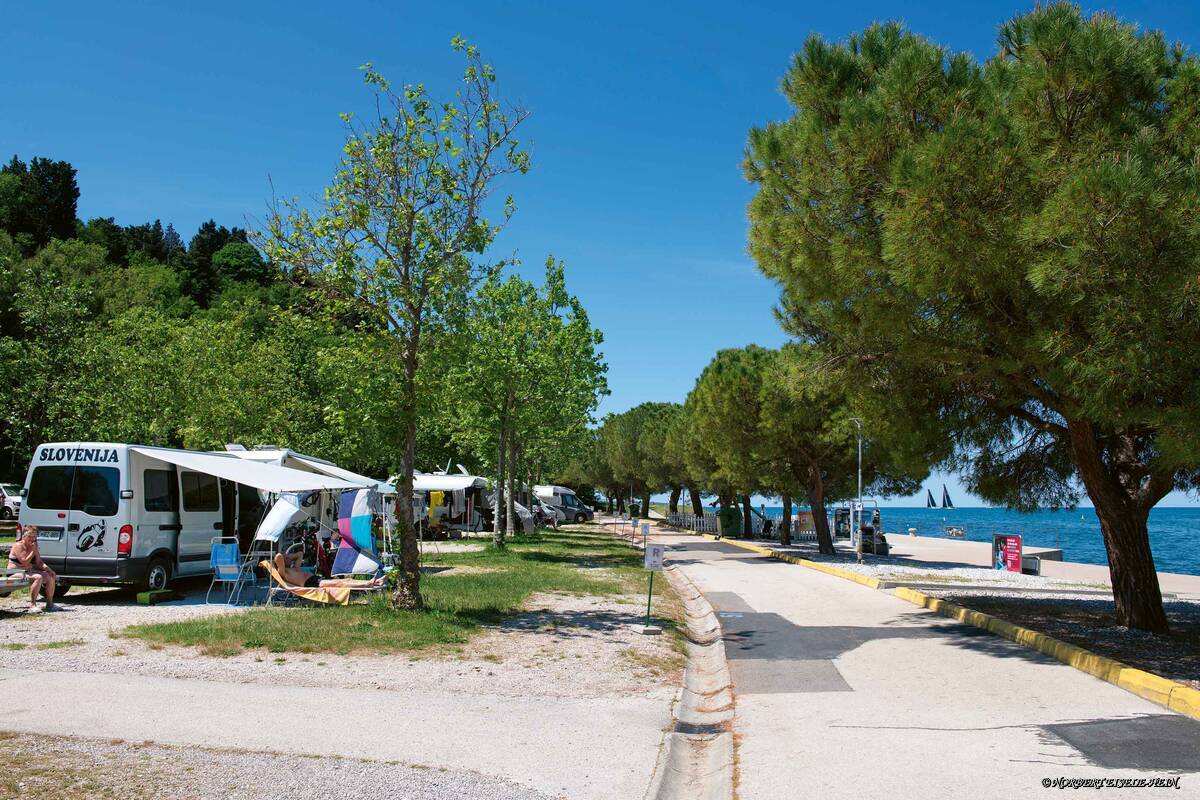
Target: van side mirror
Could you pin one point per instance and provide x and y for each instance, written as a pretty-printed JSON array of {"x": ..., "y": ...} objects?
[
  {"x": 127, "y": 494},
  {"x": 24, "y": 491}
]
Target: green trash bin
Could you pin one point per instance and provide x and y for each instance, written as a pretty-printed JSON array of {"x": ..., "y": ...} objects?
[
  {"x": 729, "y": 522},
  {"x": 635, "y": 509}
]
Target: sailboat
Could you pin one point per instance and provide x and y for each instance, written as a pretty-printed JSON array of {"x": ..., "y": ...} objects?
[
  {"x": 929, "y": 501},
  {"x": 945, "y": 498}
]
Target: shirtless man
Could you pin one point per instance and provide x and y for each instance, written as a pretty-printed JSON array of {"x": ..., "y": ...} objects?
[
  {"x": 289, "y": 569},
  {"x": 25, "y": 556}
]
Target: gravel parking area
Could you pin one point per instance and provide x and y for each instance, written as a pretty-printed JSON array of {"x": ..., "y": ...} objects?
[{"x": 59, "y": 768}]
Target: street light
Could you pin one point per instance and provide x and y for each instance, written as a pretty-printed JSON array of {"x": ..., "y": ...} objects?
[{"x": 858, "y": 530}]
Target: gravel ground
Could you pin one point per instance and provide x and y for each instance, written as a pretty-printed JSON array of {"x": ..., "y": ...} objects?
[
  {"x": 50, "y": 768},
  {"x": 1090, "y": 623},
  {"x": 563, "y": 646},
  {"x": 888, "y": 568}
]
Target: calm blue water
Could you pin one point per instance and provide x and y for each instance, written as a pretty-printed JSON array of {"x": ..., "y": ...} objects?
[{"x": 1174, "y": 532}]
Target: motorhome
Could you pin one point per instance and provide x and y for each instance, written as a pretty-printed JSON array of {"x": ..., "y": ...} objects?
[
  {"x": 565, "y": 502},
  {"x": 112, "y": 513}
]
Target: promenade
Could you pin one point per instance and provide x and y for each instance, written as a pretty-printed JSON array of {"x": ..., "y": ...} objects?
[{"x": 842, "y": 691}]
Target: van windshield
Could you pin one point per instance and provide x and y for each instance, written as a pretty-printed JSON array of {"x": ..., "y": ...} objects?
[
  {"x": 92, "y": 490},
  {"x": 10, "y": 488}
]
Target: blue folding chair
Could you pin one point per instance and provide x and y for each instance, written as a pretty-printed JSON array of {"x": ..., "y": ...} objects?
[{"x": 227, "y": 568}]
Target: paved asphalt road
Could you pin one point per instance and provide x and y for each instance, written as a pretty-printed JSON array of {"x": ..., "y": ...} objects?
[{"x": 843, "y": 691}]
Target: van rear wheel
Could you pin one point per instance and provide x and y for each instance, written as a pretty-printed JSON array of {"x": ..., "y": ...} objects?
[
  {"x": 581, "y": 517},
  {"x": 5, "y": 512},
  {"x": 158, "y": 575}
]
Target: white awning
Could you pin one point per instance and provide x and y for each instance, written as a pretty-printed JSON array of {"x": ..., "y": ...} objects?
[
  {"x": 334, "y": 471},
  {"x": 447, "y": 483},
  {"x": 268, "y": 477}
]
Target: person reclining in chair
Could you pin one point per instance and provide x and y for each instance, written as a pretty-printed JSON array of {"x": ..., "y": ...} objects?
[{"x": 289, "y": 569}]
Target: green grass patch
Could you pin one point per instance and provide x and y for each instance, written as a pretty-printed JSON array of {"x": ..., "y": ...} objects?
[
  {"x": 58, "y": 645},
  {"x": 457, "y": 603},
  {"x": 13, "y": 646}
]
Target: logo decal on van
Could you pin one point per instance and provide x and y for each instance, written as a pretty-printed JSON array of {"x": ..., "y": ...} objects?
[
  {"x": 97, "y": 454},
  {"x": 91, "y": 536}
]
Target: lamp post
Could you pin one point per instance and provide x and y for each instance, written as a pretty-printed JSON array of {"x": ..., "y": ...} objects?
[{"x": 858, "y": 529}]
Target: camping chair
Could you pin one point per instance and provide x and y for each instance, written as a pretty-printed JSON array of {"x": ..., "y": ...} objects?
[
  {"x": 331, "y": 595},
  {"x": 228, "y": 569}
]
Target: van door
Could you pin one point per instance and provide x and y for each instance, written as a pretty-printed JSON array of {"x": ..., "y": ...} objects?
[
  {"x": 92, "y": 525},
  {"x": 47, "y": 503},
  {"x": 158, "y": 520},
  {"x": 199, "y": 519}
]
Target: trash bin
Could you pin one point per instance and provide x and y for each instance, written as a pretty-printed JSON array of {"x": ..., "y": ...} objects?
[
  {"x": 729, "y": 522},
  {"x": 635, "y": 509}
]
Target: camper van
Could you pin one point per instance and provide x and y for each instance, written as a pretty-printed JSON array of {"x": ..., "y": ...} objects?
[
  {"x": 110, "y": 513},
  {"x": 565, "y": 502}
]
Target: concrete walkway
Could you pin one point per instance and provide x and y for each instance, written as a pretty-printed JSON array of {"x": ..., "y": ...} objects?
[
  {"x": 600, "y": 749},
  {"x": 847, "y": 692}
]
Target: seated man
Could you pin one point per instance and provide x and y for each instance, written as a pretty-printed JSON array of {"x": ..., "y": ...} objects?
[
  {"x": 25, "y": 556},
  {"x": 289, "y": 569}
]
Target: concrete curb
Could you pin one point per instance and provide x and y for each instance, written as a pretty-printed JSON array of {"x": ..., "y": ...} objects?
[
  {"x": 698, "y": 764},
  {"x": 1161, "y": 691},
  {"x": 1155, "y": 688}
]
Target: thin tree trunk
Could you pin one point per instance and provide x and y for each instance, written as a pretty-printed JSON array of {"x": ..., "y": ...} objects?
[
  {"x": 620, "y": 501},
  {"x": 673, "y": 503},
  {"x": 816, "y": 501},
  {"x": 1137, "y": 596},
  {"x": 497, "y": 519},
  {"x": 697, "y": 502},
  {"x": 407, "y": 592},
  {"x": 510, "y": 515},
  {"x": 785, "y": 525},
  {"x": 645, "y": 504},
  {"x": 747, "y": 523}
]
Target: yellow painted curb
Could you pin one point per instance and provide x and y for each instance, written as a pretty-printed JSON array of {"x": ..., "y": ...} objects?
[
  {"x": 873, "y": 583},
  {"x": 1157, "y": 689}
]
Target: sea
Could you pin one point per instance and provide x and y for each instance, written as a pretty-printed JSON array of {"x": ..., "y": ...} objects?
[{"x": 1174, "y": 532}]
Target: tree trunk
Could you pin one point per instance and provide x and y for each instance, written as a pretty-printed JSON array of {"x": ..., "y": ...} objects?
[
  {"x": 645, "y": 504},
  {"x": 510, "y": 516},
  {"x": 1137, "y": 596},
  {"x": 785, "y": 525},
  {"x": 407, "y": 592},
  {"x": 673, "y": 503},
  {"x": 620, "y": 501},
  {"x": 697, "y": 502},
  {"x": 816, "y": 501},
  {"x": 611, "y": 503},
  {"x": 497, "y": 520},
  {"x": 747, "y": 522}
]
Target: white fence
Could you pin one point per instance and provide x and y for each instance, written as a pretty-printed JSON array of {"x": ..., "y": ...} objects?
[{"x": 708, "y": 524}]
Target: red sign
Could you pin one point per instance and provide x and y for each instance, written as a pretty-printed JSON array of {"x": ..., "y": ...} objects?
[{"x": 1006, "y": 552}]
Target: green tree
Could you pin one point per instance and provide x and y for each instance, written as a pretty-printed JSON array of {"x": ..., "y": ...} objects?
[
  {"x": 396, "y": 232},
  {"x": 241, "y": 262},
  {"x": 1015, "y": 242},
  {"x": 37, "y": 201},
  {"x": 200, "y": 272}
]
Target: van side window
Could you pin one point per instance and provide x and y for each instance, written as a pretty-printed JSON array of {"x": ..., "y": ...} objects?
[
  {"x": 162, "y": 493},
  {"x": 50, "y": 487},
  {"x": 200, "y": 492},
  {"x": 96, "y": 490}
]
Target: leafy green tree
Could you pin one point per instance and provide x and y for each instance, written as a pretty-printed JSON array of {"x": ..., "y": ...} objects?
[
  {"x": 1015, "y": 242},
  {"x": 396, "y": 232},
  {"x": 37, "y": 201},
  {"x": 105, "y": 232},
  {"x": 242, "y": 263},
  {"x": 200, "y": 272}
]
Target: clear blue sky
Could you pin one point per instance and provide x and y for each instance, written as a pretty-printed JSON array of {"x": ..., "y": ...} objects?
[{"x": 640, "y": 112}]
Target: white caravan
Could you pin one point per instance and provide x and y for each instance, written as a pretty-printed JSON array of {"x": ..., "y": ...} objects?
[
  {"x": 565, "y": 503},
  {"x": 111, "y": 513}
]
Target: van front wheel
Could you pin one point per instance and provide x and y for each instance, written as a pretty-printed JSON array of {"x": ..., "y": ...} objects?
[{"x": 158, "y": 575}]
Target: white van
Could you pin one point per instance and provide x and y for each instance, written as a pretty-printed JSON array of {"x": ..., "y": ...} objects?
[
  {"x": 565, "y": 503},
  {"x": 132, "y": 514},
  {"x": 10, "y": 501}
]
